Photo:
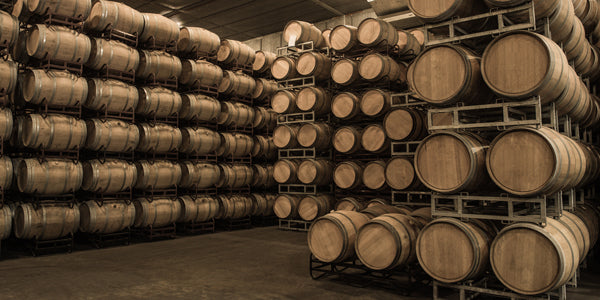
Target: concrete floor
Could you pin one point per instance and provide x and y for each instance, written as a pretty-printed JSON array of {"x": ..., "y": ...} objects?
[{"x": 262, "y": 263}]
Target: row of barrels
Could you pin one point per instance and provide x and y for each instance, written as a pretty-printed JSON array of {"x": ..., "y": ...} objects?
[
  {"x": 451, "y": 250},
  {"x": 523, "y": 161},
  {"x": 47, "y": 221},
  {"x": 60, "y": 176},
  {"x": 509, "y": 68},
  {"x": 55, "y": 132}
]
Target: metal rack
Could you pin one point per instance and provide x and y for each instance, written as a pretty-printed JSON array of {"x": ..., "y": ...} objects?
[
  {"x": 235, "y": 224},
  {"x": 411, "y": 198},
  {"x": 294, "y": 225},
  {"x": 487, "y": 286},
  {"x": 101, "y": 240},
  {"x": 304, "y": 189},
  {"x": 197, "y": 227},
  {"x": 151, "y": 233}
]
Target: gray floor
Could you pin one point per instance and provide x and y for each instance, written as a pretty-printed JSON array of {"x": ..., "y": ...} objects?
[{"x": 262, "y": 263}]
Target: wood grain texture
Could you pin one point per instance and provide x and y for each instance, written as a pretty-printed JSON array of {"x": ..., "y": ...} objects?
[
  {"x": 348, "y": 175},
  {"x": 347, "y": 139},
  {"x": 331, "y": 238},
  {"x": 345, "y": 105},
  {"x": 374, "y": 175}
]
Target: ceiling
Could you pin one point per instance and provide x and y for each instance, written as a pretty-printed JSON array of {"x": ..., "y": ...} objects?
[{"x": 247, "y": 19}]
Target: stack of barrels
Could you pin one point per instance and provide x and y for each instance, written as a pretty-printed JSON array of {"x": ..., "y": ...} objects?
[
  {"x": 367, "y": 121},
  {"x": 304, "y": 133}
]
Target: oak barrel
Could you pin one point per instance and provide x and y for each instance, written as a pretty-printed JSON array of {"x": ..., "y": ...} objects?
[
  {"x": 235, "y": 145},
  {"x": 111, "y": 135},
  {"x": 405, "y": 124},
  {"x": 297, "y": 32},
  {"x": 376, "y": 209},
  {"x": 111, "y": 95},
  {"x": 400, "y": 174},
  {"x": 113, "y": 55},
  {"x": 373, "y": 175},
  {"x": 199, "y": 107},
  {"x": 110, "y": 217},
  {"x": 374, "y": 32},
  {"x": 315, "y": 135},
  {"x": 45, "y": 222},
  {"x": 284, "y": 102},
  {"x": 159, "y": 138},
  {"x": 285, "y": 171},
  {"x": 263, "y": 204},
  {"x": 314, "y": 206},
  {"x": 60, "y": 88},
  {"x": 378, "y": 67},
  {"x": 53, "y": 132},
  {"x": 158, "y": 102},
  {"x": 198, "y": 209},
  {"x": 106, "y": 15},
  {"x": 263, "y": 176},
  {"x": 235, "y": 52},
  {"x": 158, "y": 174},
  {"x": 198, "y": 175},
  {"x": 286, "y": 206},
  {"x": 159, "y": 212},
  {"x": 449, "y": 162},
  {"x": 345, "y": 106},
  {"x": 198, "y": 40},
  {"x": 77, "y": 9},
  {"x": 264, "y": 147},
  {"x": 237, "y": 84},
  {"x": 331, "y": 238},
  {"x": 235, "y": 206},
  {"x": 7, "y": 123},
  {"x": 8, "y": 76},
  {"x": 235, "y": 175},
  {"x": 348, "y": 175},
  {"x": 58, "y": 43},
  {"x": 344, "y": 38},
  {"x": 285, "y": 136},
  {"x": 158, "y": 65},
  {"x": 350, "y": 204},
  {"x": 347, "y": 139},
  {"x": 434, "y": 11},
  {"x": 7, "y": 172},
  {"x": 315, "y": 99},
  {"x": 374, "y": 139},
  {"x": 408, "y": 44},
  {"x": 345, "y": 72},
  {"x": 200, "y": 73},
  {"x": 315, "y": 171},
  {"x": 108, "y": 176},
  {"x": 264, "y": 118},
  {"x": 50, "y": 177},
  {"x": 235, "y": 114},
  {"x": 159, "y": 30},
  {"x": 263, "y": 61},
  {"x": 375, "y": 102},
  {"x": 325, "y": 34},
  {"x": 284, "y": 68},
  {"x": 314, "y": 64},
  {"x": 199, "y": 141},
  {"x": 9, "y": 29},
  {"x": 264, "y": 89}
]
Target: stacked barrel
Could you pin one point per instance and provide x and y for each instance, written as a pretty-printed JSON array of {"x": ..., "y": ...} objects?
[
  {"x": 369, "y": 72},
  {"x": 49, "y": 131},
  {"x": 519, "y": 162},
  {"x": 303, "y": 135}
]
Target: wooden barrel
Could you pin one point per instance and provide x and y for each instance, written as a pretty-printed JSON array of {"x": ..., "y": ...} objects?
[
  {"x": 555, "y": 158},
  {"x": 79, "y": 9},
  {"x": 159, "y": 138},
  {"x": 285, "y": 136},
  {"x": 159, "y": 174},
  {"x": 263, "y": 176},
  {"x": 45, "y": 222},
  {"x": 159, "y": 30},
  {"x": 457, "y": 76},
  {"x": 8, "y": 76},
  {"x": 388, "y": 241},
  {"x": 448, "y": 162},
  {"x": 408, "y": 44},
  {"x": 379, "y": 201},
  {"x": 373, "y": 175},
  {"x": 263, "y": 204},
  {"x": 286, "y": 206},
  {"x": 312, "y": 207},
  {"x": 199, "y": 141},
  {"x": 578, "y": 228},
  {"x": 158, "y": 102},
  {"x": 314, "y": 64},
  {"x": 315, "y": 99},
  {"x": 159, "y": 212},
  {"x": 374, "y": 140},
  {"x": 50, "y": 177},
  {"x": 7, "y": 171},
  {"x": 111, "y": 135},
  {"x": 235, "y": 114},
  {"x": 237, "y": 84},
  {"x": 284, "y": 68},
  {"x": 6, "y": 220},
  {"x": 198, "y": 40},
  {"x": 589, "y": 215},
  {"x": 235, "y": 206},
  {"x": 108, "y": 176},
  {"x": 284, "y": 102},
  {"x": 434, "y": 11},
  {"x": 113, "y": 55},
  {"x": 263, "y": 61},
  {"x": 200, "y": 73},
  {"x": 198, "y": 209},
  {"x": 297, "y": 32},
  {"x": 422, "y": 215},
  {"x": 315, "y": 171},
  {"x": 344, "y": 38},
  {"x": 107, "y": 15},
  {"x": 400, "y": 174},
  {"x": 347, "y": 139},
  {"x": 345, "y": 72},
  {"x": 112, "y": 216},
  {"x": 58, "y": 43},
  {"x": 9, "y": 31},
  {"x": 54, "y": 132},
  {"x": 377, "y": 210},
  {"x": 264, "y": 118},
  {"x": 405, "y": 124},
  {"x": 551, "y": 252},
  {"x": 7, "y": 124},
  {"x": 377, "y": 67},
  {"x": 325, "y": 34},
  {"x": 53, "y": 87},
  {"x": 197, "y": 175},
  {"x": 264, "y": 89},
  {"x": 331, "y": 238},
  {"x": 235, "y": 145},
  {"x": 348, "y": 175},
  {"x": 345, "y": 105},
  {"x": 375, "y": 103},
  {"x": 374, "y": 32},
  {"x": 235, "y": 52},
  {"x": 111, "y": 95},
  {"x": 158, "y": 65},
  {"x": 315, "y": 135},
  {"x": 285, "y": 171},
  {"x": 199, "y": 107},
  {"x": 264, "y": 147},
  {"x": 504, "y": 59},
  {"x": 452, "y": 251},
  {"x": 349, "y": 204}
]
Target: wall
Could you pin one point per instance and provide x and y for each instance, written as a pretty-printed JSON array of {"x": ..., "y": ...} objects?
[{"x": 275, "y": 40}]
